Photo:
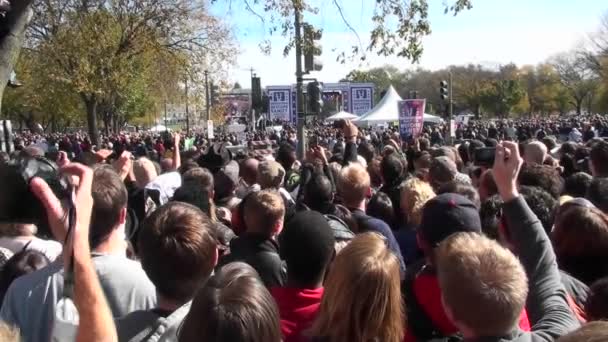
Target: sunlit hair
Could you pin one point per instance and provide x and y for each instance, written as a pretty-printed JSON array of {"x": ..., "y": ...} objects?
[
  {"x": 414, "y": 195},
  {"x": 264, "y": 212},
  {"x": 353, "y": 184},
  {"x": 483, "y": 284},
  {"x": 8, "y": 333},
  {"x": 362, "y": 298},
  {"x": 144, "y": 171}
]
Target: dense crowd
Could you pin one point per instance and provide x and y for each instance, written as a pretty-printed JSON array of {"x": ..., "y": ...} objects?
[{"x": 367, "y": 238}]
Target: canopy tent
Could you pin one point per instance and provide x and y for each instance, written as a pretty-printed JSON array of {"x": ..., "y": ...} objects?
[
  {"x": 387, "y": 111},
  {"x": 341, "y": 116},
  {"x": 158, "y": 128}
]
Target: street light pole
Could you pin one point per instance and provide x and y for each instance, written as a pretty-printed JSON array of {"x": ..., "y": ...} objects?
[
  {"x": 299, "y": 85},
  {"x": 207, "y": 99},
  {"x": 187, "y": 111}
]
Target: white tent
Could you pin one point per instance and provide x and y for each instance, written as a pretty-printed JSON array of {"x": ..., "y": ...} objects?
[
  {"x": 341, "y": 116},
  {"x": 387, "y": 111},
  {"x": 158, "y": 128}
]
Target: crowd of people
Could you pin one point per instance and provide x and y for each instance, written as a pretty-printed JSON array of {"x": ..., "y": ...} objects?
[{"x": 369, "y": 237}]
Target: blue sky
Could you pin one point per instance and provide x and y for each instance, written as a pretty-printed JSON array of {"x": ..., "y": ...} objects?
[{"x": 493, "y": 32}]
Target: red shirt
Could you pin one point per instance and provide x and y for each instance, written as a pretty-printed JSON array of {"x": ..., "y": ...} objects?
[
  {"x": 298, "y": 308},
  {"x": 427, "y": 291}
]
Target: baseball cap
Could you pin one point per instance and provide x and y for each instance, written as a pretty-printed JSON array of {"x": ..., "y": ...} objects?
[{"x": 447, "y": 214}]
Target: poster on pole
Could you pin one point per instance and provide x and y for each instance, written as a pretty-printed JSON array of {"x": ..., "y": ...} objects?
[
  {"x": 411, "y": 117},
  {"x": 279, "y": 103},
  {"x": 361, "y": 99}
]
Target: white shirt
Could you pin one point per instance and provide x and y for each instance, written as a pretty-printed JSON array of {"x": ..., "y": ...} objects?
[{"x": 51, "y": 249}]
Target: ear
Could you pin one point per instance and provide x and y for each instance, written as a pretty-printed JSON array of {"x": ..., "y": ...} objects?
[
  {"x": 278, "y": 227},
  {"x": 368, "y": 192},
  {"x": 123, "y": 216}
]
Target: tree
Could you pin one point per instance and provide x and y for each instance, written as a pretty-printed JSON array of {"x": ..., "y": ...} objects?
[
  {"x": 503, "y": 96},
  {"x": 236, "y": 86},
  {"x": 576, "y": 76},
  {"x": 13, "y": 24},
  {"x": 134, "y": 40},
  {"x": 398, "y": 26}
]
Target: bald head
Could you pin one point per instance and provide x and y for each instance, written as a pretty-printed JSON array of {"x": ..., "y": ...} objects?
[
  {"x": 535, "y": 153},
  {"x": 249, "y": 170}
]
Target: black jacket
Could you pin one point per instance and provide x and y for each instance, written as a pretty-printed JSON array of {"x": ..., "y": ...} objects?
[{"x": 260, "y": 253}]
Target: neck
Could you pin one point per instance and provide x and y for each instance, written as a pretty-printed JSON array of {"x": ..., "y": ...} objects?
[
  {"x": 115, "y": 244},
  {"x": 360, "y": 205},
  {"x": 167, "y": 304}
]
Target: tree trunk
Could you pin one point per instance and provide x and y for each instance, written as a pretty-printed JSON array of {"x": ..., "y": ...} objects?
[
  {"x": 12, "y": 34},
  {"x": 91, "y": 104}
]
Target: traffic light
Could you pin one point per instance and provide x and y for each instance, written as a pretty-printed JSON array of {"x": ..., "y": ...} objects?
[
  {"x": 443, "y": 90},
  {"x": 312, "y": 48},
  {"x": 215, "y": 94},
  {"x": 315, "y": 97},
  {"x": 256, "y": 93}
]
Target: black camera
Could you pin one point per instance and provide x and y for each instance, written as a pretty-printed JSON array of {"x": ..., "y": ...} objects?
[{"x": 17, "y": 203}]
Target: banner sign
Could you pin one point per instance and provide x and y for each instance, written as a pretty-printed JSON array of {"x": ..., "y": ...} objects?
[
  {"x": 361, "y": 99},
  {"x": 411, "y": 117},
  {"x": 280, "y": 104}
]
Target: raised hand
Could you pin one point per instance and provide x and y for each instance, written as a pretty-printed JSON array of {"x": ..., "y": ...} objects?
[{"x": 507, "y": 163}]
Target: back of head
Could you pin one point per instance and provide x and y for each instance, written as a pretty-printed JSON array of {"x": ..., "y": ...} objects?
[
  {"x": 591, "y": 332},
  {"x": 392, "y": 169},
  {"x": 234, "y": 306},
  {"x": 249, "y": 170},
  {"x": 484, "y": 286},
  {"x": 286, "y": 155},
  {"x": 599, "y": 158},
  {"x": 465, "y": 190},
  {"x": 353, "y": 184},
  {"x": 263, "y": 213},
  {"x": 596, "y": 306},
  {"x": 542, "y": 204},
  {"x": 535, "y": 152},
  {"x": 109, "y": 204},
  {"x": 144, "y": 171},
  {"x": 445, "y": 215},
  {"x": 490, "y": 213},
  {"x": 194, "y": 195},
  {"x": 580, "y": 241},
  {"x": 318, "y": 192},
  {"x": 270, "y": 174},
  {"x": 178, "y": 250},
  {"x": 21, "y": 263},
  {"x": 598, "y": 193},
  {"x": 199, "y": 176},
  {"x": 443, "y": 170},
  {"x": 380, "y": 206},
  {"x": 487, "y": 185},
  {"x": 542, "y": 176},
  {"x": 362, "y": 298},
  {"x": 577, "y": 184},
  {"x": 307, "y": 246},
  {"x": 414, "y": 195}
]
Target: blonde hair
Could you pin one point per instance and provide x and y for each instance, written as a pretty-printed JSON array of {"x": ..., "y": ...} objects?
[
  {"x": 353, "y": 184},
  {"x": 590, "y": 332},
  {"x": 362, "y": 298},
  {"x": 264, "y": 211},
  {"x": 144, "y": 172},
  {"x": 414, "y": 195},
  {"x": 482, "y": 283}
]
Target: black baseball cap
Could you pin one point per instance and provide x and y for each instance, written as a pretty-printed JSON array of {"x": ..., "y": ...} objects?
[{"x": 447, "y": 214}]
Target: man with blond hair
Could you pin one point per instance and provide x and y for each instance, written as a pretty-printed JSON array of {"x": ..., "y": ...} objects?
[
  {"x": 263, "y": 213},
  {"x": 354, "y": 190},
  {"x": 484, "y": 286}
]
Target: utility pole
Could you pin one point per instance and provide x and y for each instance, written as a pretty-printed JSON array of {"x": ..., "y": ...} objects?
[
  {"x": 166, "y": 128},
  {"x": 299, "y": 85},
  {"x": 207, "y": 99},
  {"x": 451, "y": 113},
  {"x": 187, "y": 112}
]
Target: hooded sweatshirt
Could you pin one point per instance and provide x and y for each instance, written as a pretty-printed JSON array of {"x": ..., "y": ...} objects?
[{"x": 298, "y": 308}]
